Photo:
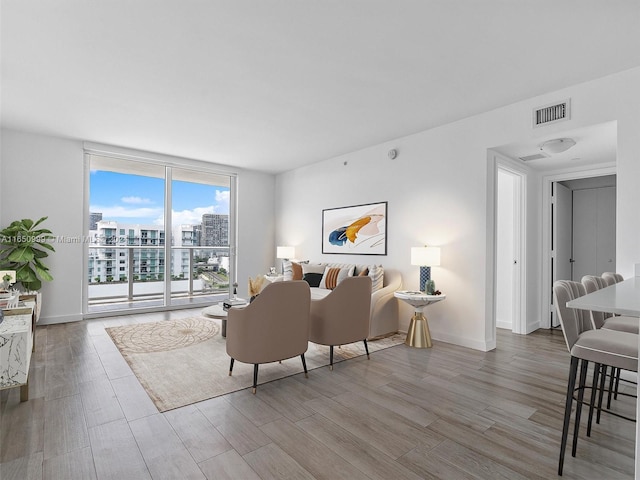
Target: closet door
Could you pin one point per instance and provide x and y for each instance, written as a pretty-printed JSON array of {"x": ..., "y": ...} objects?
[{"x": 594, "y": 230}]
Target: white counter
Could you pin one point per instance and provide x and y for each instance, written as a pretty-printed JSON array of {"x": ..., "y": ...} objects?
[{"x": 622, "y": 298}]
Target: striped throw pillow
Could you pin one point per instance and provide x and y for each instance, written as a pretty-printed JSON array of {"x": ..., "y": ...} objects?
[
  {"x": 376, "y": 273},
  {"x": 334, "y": 275}
]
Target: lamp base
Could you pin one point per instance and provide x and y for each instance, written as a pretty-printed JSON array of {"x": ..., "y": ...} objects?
[{"x": 425, "y": 276}]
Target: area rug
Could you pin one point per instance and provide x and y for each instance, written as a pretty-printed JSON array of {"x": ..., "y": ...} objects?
[{"x": 180, "y": 362}]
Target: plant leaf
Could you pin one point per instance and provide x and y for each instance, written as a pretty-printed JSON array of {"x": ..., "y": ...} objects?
[
  {"x": 28, "y": 223},
  {"x": 43, "y": 274},
  {"x": 42, "y": 219},
  {"x": 23, "y": 254}
]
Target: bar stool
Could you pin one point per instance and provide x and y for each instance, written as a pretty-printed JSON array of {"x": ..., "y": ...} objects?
[
  {"x": 612, "y": 277},
  {"x": 586, "y": 344},
  {"x": 623, "y": 323}
]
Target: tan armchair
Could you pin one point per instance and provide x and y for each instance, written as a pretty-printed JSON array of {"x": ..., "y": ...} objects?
[
  {"x": 343, "y": 316},
  {"x": 275, "y": 326}
]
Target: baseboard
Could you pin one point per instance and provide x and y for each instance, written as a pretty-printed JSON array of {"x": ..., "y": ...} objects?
[
  {"x": 464, "y": 341},
  {"x": 503, "y": 324},
  {"x": 533, "y": 327},
  {"x": 60, "y": 319}
]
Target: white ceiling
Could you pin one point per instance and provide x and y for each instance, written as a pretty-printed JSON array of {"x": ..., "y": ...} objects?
[
  {"x": 275, "y": 84},
  {"x": 595, "y": 145}
]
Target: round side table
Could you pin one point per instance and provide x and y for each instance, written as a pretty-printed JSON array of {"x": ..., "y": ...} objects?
[
  {"x": 418, "y": 335},
  {"x": 216, "y": 311}
]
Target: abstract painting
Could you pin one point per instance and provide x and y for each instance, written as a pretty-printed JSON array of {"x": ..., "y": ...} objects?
[{"x": 357, "y": 230}]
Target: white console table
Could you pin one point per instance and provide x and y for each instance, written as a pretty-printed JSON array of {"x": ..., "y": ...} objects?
[{"x": 16, "y": 345}]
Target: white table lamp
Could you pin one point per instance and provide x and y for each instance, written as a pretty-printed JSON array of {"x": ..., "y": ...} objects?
[
  {"x": 425, "y": 258},
  {"x": 285, "y": 253}
]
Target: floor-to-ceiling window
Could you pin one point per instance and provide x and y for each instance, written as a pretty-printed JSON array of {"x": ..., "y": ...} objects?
[{"x": 158, "y": 235}]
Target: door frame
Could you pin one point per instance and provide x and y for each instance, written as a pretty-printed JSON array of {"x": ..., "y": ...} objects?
[
  {"x": 547, "y": 253},
  {"x": 499, "y": 162}
]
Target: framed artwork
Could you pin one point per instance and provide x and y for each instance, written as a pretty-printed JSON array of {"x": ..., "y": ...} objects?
[{"x": 356, "y": 230}]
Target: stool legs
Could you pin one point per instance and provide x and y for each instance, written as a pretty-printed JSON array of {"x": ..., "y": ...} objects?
[
  {"x": 573, "y": 370},
  {"x": 576, "y": 429}
]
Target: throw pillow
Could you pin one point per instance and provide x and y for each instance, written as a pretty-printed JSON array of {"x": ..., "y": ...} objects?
[
  {"x": 297, "y": 271},
  {"x": 364, "y": 273},
  {"x": 376, "y": 273},
  {"x": 292, "y": 270},
  {"x": 312, "y": 274},
  {"x": 287, "y": 269},
  {"x": 332, "y": 276}
]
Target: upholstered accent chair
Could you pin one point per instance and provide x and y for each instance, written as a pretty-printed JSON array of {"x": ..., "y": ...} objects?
[
  {"x": 586, "y": 344},
  {"x": 343, "y": 316},
  {"x": 274, "y": 327}
]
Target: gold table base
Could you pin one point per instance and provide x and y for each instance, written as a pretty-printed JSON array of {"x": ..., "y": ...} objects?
[{"x": 418, "y": 335}]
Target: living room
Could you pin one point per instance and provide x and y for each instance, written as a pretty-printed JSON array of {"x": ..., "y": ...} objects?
[{"x": 439, "y": 188}]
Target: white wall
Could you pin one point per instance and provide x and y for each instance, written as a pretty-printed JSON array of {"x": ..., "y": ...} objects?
[
  {"x": 437, "y": 193},
  {"x": 43, "y": 175}
]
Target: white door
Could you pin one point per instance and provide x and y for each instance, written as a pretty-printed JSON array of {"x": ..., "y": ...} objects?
[
  {"x": 594, "y": 231},
  {"x": 562, "y": 227},
  {"x": 509, "y": 293},
  {"x": 505, "y": 251}
]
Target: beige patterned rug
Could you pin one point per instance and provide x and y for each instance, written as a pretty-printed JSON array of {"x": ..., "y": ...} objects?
[{"x": 180, "y": 362}]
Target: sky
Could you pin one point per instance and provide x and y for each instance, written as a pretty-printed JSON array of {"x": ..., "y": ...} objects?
[{"x": 135, "y": 199}]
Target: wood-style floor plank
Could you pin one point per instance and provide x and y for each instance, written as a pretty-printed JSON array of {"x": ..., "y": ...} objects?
[
  {"x": 115, "y": 452},
  {"x": 200, "y": 437},
  {"x": 75, "y": 465},
  {"x": 273, "y": 463},
  {"x": 65, "y": 428},
  {"x": 441, "y": 413}
]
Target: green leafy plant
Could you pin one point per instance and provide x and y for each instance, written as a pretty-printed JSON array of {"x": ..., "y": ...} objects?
[{"x": 22, "y": 247}]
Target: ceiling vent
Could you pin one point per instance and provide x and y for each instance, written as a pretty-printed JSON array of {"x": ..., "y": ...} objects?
[
  {"x": 552, "y": 113},
  {"x": 535, "y": 156}
]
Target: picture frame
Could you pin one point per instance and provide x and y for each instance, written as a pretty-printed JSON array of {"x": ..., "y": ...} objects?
[{"x": 355, "y": 230}]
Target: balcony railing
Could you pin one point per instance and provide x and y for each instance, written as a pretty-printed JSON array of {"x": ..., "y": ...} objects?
[{"x": 144, "y": 285}]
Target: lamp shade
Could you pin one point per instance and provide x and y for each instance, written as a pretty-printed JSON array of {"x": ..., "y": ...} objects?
[
  {"x": 425, "y": 256},
  {"x": 285, "y": 252}
]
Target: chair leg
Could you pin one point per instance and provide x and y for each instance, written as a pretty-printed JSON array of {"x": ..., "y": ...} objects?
[
  {"x": 602, "y": 382},
  {"x": 255, "y": 378},
  {"x": 615, "y": 395},
  {"x": 576, "y": 429},
  {"x": 331, "y": 357},
  {"x": 366, "y": 347},
  {"x": 596, "y": 371},
  {"x": 612, "y": 379},
  {"x": 231, "y": 367},
  {"x": 304, "y": 365},
  {"x": 573, "y": 370}
]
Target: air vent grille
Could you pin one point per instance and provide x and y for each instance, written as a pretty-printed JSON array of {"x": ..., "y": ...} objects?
[
  {"x": 535, "y": 156},
  {"x": 552, "y": 113}
]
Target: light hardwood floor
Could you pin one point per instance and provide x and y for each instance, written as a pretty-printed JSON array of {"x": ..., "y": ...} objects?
[{"x": 441, "y": 413}]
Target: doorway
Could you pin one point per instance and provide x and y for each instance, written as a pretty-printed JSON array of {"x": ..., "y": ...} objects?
[
  {"x": 579, "y": 229},
  {"x": 509, "y": 249}
]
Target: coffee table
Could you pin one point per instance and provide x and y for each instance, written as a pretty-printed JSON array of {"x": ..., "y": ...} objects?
[{"x": 217, "y": 311}]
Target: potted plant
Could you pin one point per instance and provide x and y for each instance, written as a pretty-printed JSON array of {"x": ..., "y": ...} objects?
[{"x": 23, "y": 246}]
